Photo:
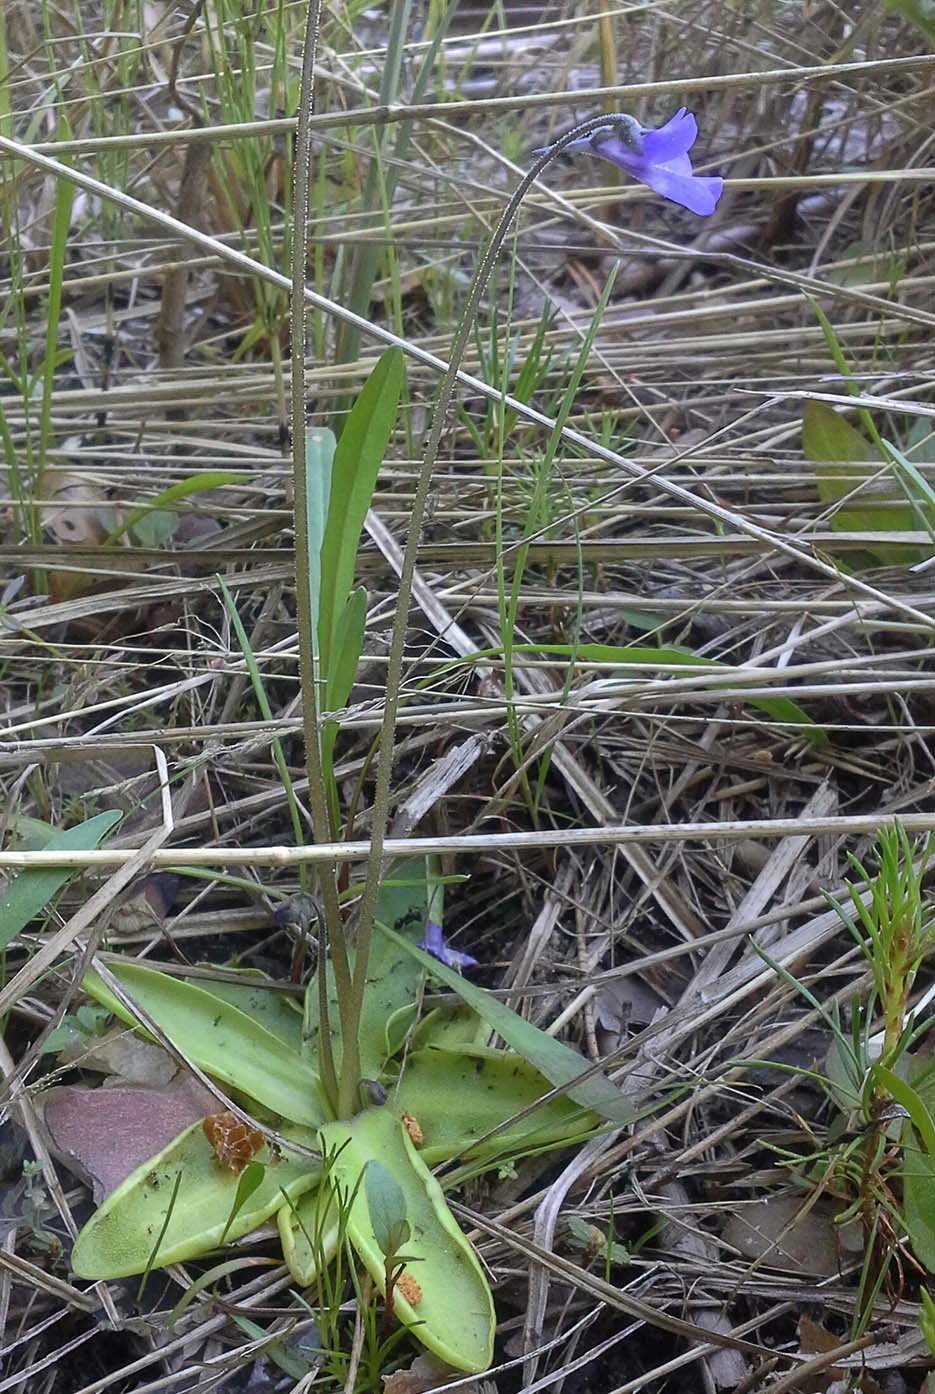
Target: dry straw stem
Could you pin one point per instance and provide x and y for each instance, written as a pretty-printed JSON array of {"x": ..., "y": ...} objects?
[
  {"x": 724, "y": 516},
  {"x": 469, "y": 843},
  {"x": 422, "y": 111}
]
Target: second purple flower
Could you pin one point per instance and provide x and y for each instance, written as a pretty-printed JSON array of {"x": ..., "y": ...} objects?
[{"x": 658, "y": 158}]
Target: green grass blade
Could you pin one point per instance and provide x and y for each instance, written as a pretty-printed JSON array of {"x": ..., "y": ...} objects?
[
  {"x": 31, "y": 891},
  {"x": 259, "y": 691},
  {"x": 779, "y": 708},
  {"x": 250, "y": 1180},
  {"x": 61, "y": 223}
]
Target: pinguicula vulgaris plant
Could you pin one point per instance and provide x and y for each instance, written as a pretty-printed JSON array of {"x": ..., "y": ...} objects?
[
  {"x": 340, "y": 1110},
  {"x": 356, "y": 1079}
]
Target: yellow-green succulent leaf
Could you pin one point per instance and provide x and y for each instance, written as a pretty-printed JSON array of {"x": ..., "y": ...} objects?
[
  {"x": 120, "y": 1239},
  {"x": 220, "y": 1038},
  {"x": 483, "y": 1089},
  {"x": 450, "y": 1028},
  {"x": 451, "y": 1310},
  {"x": 279, "y": 1012},
  {"x": 559, "y": 1063}
]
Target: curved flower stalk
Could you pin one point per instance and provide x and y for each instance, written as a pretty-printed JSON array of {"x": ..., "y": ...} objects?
[{"x": 657, "y": 158}]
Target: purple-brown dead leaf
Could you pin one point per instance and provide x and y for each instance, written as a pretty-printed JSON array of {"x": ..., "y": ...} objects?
[{"x": 104, "y": 1134}]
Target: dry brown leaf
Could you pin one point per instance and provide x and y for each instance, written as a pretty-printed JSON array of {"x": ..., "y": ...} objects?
[
  {"x": 784, "y": 1231},
  {"x": 428, "y": 1372},
  {"x": 816, "y": 1340},
  {"x": 121, "y": 1053},
  {"x": 105, "y": 1134}
]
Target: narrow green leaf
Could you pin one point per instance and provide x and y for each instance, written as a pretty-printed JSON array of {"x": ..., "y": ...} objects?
[
  {"x": 319, "y": 456},
  {"x": 404, "y": 902},
  {"x": 221, "y": 1040},
  {"x": 827, "y": 435},
  {"x": 204, "y": 1280},
  {"x": 904, "y": 1094},
  {"x": 452, "y": 1313},
  {"x": 348, "y": 643},
  {"x": 120, "y": 1236},
  {"x": 918, "y": 1145},
  {"x": 152, "y": 1260},
  {"x": 927, "y": 1319},
  {"x": 847, "y": 459},
  {"x": 779, "y": 708},
  {"x": 155, "y": 528},
  {"x": 31, "y": 891},
  {"x": 918, "y": 491},
  {"x": 292, "y": 1363},
  {"x": 844, "y": 368},
  {"x": 561, "y": 1065},
  {"x": 919, "y": 1197},
  {"x": 355, "y": 468},
  {"x": 251, "y": 1178},
  {"x": 259, "y": 691},
  {"x": 917, "y": 12},
  {"x": 61, "y": 226},
  {"x": 310, "y": 1231}
]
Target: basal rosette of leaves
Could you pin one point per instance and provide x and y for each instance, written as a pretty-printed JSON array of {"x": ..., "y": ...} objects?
[{"x": 448, "y": 1096}]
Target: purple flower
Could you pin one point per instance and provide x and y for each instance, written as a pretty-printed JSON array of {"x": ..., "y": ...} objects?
[
  {"x": 656, "y": 158},
  {"x": 434, "y": 944}
]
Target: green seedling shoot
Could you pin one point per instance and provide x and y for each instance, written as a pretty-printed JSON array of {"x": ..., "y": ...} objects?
[
  {"x": 391, "y": 1229},
  {"x": 879, "y": 1161}
]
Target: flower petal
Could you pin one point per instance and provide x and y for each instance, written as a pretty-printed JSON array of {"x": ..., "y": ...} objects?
[
  {"x": 434, "y": 944},
  {"x": 698, "y": 193},
  {"x": 674, "y": 138},
  {"x": 619, "y": 154},
  {"x": 662, "y": 162}
]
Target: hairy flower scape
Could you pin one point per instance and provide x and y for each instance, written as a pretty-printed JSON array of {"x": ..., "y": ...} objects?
[{"x": 657, "y": 158}]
